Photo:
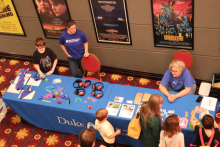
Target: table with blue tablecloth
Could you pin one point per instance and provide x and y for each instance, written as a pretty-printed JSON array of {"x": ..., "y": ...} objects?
[{"x": 74, "y": 117}]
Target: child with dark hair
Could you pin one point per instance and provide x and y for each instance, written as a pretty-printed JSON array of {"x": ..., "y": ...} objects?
[
  {"x": 206, "y": 132},
  {"x": 87, "y": 138},
  {"x": 171, "y": 133}
]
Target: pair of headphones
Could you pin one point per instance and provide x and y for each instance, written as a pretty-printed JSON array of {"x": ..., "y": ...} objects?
[
  {"x": 97, "y": 86},
  {"x": 80, "y": 91},
  {"x": 81, "y": 84},
  {"x": 97, "y": 93}
]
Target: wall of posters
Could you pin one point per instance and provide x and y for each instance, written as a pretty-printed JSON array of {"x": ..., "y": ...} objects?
[
  {"x": 110, "y": 21},
  {"x": 173, "y": 23},
  {"x": 9, "y": 21},
  {"x": 52, "y": 14}
]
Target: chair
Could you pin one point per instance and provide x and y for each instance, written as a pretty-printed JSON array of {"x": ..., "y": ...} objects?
[
  {"x": 184, "y": 56},
  {"x": 91, "y": 64}
]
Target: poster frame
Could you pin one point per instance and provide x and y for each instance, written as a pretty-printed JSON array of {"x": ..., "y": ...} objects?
[
  {"x": 14, "y": 34},
  {"x": 173, "y": 47},
  {"x": 127, "y": 23},
  {"x": 42, "y": 23}
]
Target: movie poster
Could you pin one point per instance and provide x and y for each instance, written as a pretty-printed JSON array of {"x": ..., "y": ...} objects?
[
  {"x": 52, "y": 14},
  {"x": 110, "y": 21},
  {"x": 9, "y": 21},
  {"x": 173, "y": 23}
]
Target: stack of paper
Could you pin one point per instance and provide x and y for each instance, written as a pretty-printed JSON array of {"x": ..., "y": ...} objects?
[{"x": 209, "y": 103}]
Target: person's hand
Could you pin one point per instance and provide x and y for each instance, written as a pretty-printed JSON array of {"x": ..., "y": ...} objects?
[
  {"x": 49, "y": 72},
  {"x": 196, "y": 108},
  {"x": 173, "y": 97},
  {"x": 118, "y": 131},
  {"x": 170, "y": 99},
  {"x": 42, "y": 75},
  {"x": 69, "y": 56},
  {"x": 86, "y": 54}
]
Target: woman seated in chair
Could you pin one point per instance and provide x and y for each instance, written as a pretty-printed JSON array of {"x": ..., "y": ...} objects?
[{"x": 177, "y": 78}]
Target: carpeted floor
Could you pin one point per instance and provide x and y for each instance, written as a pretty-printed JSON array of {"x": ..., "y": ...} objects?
[{"x": 15, "y": 134}]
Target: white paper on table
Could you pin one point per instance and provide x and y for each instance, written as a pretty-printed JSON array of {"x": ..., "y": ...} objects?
[
  {"x": 113, "y": 108},
  {"x": 17, "y": 78},
  {"x": 118, "y": 99},
  {"x": 127, "y": 111},
  {"x": 209, "y": 103},
  {"x": 33, "y": 82},
  {"x": 12, "y": 89},
  {"x": 29, "y": 96},
  {"x": 28, "y": 75}
]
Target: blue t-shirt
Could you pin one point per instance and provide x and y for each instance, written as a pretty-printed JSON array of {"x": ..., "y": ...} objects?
[
  {"x": 74, "y": 43},
  {"x": 178, "y": 84}
]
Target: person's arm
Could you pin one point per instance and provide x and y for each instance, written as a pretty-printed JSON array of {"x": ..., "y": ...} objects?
[
  {"x": 39, "y": 71},
  {"x": 182, "y": 142},
  {"x": 64, "y": 49},
  {"x": 114, "y": 134},
  {"x": 193, "y": 124},
  {"x": 165, "y": 81},
  {"x": 181, "y": 93},
  {"x": 53, "y": 68},
  {"x": 86, "y": 48},
  {"x": 164, "y": 91},
  {"x": 161, "y": 140},
  {"x": 215, "y": 124}
]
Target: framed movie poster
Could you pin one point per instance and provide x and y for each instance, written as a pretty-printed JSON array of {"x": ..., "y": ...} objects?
[
  {"x": 111, "y": 21},
  {"x": 173, "y": 23},
  {"x": 52, "y": 14},
  {"x": 9, "y": 21}
]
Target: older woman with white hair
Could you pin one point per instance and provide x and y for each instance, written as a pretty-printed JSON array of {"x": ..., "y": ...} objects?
[{"x": 179, "y": 79}]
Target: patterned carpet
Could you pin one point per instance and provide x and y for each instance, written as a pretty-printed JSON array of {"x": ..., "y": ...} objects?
[{"x": 15, "y": 134}]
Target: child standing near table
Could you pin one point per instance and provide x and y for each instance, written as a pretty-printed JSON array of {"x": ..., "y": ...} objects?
[
  {"x": 171, "y": 135},
  {"x": 206, "y": 132},
  {"x": 105, "y": 128},
  {"x": 44, "y": 59},
  {"x": 150, "y": 120}
]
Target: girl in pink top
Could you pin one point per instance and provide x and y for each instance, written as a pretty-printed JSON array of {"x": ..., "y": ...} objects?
[{"x": 171, "y": 135}]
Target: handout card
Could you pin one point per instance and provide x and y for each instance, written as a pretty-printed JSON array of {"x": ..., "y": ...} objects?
[
  {"x": 113, "y": 108},
  {"x": 29, "y": 96},
  {"x": 127, "y": 111},
  {"x": 12, "y": 89},
  {"x": 33, "y": 82},
  {"x": 183, "y": 122},
  {"x": 146, "y": 97},
  {"x": 171, "y": 111},
  {"x": 118, "y": 99}
]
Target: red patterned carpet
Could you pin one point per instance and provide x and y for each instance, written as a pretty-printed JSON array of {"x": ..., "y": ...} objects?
[{"x": 15, "y": 134}]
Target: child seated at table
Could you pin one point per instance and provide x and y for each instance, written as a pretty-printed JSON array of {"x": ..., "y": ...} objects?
[
  {"x": 171, "y": 133},
  {"x": 207, "y": 134},
  {"x": 105, "y": 128},
  {"x": 45, "y": 58}
]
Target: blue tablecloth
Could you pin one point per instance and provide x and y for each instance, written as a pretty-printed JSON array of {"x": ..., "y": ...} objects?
[{"x": 74, "y": 117}]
